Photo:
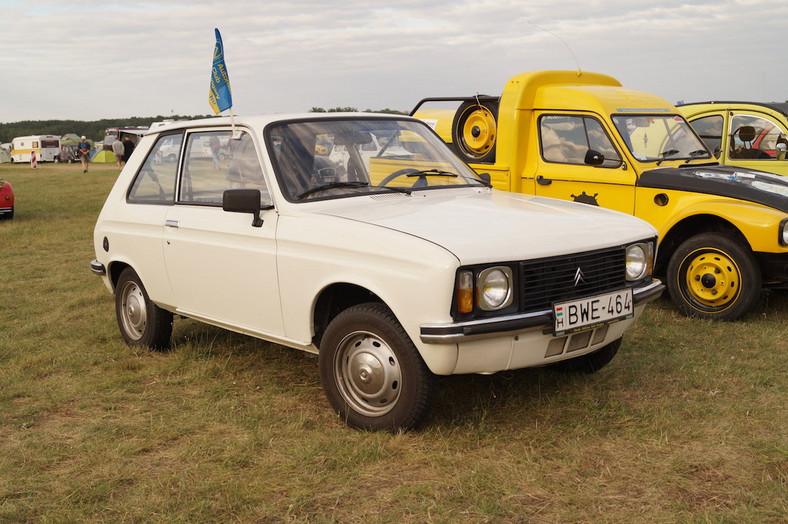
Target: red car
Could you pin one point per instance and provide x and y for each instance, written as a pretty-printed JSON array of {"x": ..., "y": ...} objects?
[{"x": 6, "y": 200}]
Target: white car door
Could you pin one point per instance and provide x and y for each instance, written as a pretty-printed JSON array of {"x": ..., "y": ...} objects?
[{"x": 222, "y": 268}]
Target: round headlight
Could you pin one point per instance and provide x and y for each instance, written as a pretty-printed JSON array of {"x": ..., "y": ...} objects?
[
  {"x": 637, "y": 261},
  {"x": 784, "y": 232},
  {"x": 495, "y": 288}
]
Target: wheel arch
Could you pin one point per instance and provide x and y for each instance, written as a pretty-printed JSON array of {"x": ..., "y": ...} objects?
[
  {"x": 691, "y": 226},
  {"x": 113, "y": 272},
  {"x": 334, "y": 299}
]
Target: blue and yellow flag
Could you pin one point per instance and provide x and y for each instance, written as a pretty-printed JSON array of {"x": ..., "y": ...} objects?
[{"x": 220, "y": 97}]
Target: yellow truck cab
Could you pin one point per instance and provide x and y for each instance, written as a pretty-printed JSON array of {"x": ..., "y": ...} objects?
[{"x": 582, "y": 136}]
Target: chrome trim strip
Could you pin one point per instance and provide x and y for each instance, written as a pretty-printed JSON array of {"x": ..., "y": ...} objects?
[{"x": 455, "y": 332}]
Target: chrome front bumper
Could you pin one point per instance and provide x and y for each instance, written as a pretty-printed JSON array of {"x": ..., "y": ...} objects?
[{"x": 456, "y": 332}]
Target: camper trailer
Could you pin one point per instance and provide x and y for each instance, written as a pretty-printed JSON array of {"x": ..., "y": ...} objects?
[{"x": 47, "y": 147}]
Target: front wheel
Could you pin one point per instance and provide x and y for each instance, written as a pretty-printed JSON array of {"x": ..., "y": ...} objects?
[
  {"x": 371, "y": 372},
  {"x": 712, "y": 276},
  {"x": 141, "y": 322}
]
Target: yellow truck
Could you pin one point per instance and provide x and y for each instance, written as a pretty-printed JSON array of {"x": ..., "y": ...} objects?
[{"x": 582, "y": 136}]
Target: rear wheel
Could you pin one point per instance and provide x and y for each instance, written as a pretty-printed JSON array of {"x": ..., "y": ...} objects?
[
  {"x": 474, "y": 131},
  {"x": 712, "y": 276},
  {"x": 371, "y": 372},
  {"x": 141, "y": 322}
]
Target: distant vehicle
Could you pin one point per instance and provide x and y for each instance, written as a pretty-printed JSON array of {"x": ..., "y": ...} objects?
[
  {"x": 744, "y": 134},
  {"x": 6, "y": 200},
  {"x": 118, "y": 133},
  {"x": 68, "y": 153},
  {"x": 46, "y": 147}
]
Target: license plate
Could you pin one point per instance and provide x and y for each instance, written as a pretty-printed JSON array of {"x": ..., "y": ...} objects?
[{"x": 592, "y": 312}]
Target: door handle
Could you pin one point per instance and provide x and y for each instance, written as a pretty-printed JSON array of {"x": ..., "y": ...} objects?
[
  {"x": 542, "y": 181},
  {"x": 172, "y": 223}
]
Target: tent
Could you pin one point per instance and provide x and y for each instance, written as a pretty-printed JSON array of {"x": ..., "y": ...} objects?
[
  {"x": 70, "y": 139},
  {"x": 104, "y": 156}
]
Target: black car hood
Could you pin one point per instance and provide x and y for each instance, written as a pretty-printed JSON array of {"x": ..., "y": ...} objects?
[{"x": 745, "y": 184}]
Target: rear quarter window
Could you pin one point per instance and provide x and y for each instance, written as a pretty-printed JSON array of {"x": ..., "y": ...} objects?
[{"x": 155, "y": 181}]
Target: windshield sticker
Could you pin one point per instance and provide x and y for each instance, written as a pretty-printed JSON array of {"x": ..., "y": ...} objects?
[{"x": 432, "y": 122}]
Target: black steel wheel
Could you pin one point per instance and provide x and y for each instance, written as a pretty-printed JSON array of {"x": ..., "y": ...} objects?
[
  {"x": 371, "y": 372},
  {"x": 141, "y": 322},
  {"x": 474, "y": 131},
  {"x": 713, "y": 276}
]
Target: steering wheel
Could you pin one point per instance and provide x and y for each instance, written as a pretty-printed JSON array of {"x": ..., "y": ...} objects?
[{"x": 421, "y": 182}]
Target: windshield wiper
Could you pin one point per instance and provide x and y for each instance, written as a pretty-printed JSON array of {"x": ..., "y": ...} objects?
[
  {"x": 697, "y": 152},
  {"x": 665, "y": 154},
  {"x": 332, "y": 185},
  {"x": 432, "y": 172}
]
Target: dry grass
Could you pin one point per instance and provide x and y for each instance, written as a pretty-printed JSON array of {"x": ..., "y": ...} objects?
[{"x": 689, "y": 423}]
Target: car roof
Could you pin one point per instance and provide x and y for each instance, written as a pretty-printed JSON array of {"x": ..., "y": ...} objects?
[
  {"x": 260, "y": 121},
  {"x": 780, "y": 107}
]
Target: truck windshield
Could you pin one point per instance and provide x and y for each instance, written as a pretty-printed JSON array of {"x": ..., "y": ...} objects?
[
  {"x": 343, "y": 157},
  {"x": 656, "y": 138}
]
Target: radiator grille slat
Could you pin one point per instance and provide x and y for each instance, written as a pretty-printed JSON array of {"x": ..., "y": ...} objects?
[{"x": 546, "y": 281}]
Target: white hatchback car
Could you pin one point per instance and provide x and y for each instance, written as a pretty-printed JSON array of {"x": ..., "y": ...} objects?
[{"x": 393, "y": 267}]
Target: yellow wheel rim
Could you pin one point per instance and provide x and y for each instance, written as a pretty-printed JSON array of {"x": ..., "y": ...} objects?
[
  {"x": 713, "y": 278},
  {"x": 478, "y": 131}
]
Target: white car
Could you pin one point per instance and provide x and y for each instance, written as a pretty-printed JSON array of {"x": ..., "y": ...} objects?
[{"x": 407, "y": 267}]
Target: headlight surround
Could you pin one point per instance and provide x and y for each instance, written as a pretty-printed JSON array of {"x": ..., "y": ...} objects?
[
  {"x": 494, "y": 288},
  {"x": 639, "y": 260},
  {"x": 783, "y": 238}
]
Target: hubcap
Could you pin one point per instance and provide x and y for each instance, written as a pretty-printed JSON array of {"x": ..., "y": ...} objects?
[
  {"x": 712, "y": 278},
  {"x": 133, "y": 312},
  {"x": 368, "y": 374}
]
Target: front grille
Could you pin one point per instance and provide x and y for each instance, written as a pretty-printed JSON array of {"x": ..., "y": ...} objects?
[{"x": 549, "y": 280}]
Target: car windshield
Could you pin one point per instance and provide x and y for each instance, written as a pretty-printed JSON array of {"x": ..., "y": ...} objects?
[
  {"x": 656, "y": 138},
  {"x": 341, "y": 157}
]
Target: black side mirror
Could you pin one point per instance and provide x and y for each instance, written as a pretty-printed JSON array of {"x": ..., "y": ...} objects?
[
  {"x": 594, "y": 158},
  {"x": 243, "y": 201}
]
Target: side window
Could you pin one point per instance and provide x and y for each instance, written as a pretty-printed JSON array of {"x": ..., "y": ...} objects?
[
  {"x": 214, "y": 162},
  {"x": 566, "y": 139},
  {"x": 709, "y": 128},
  {"x": 753, "y": 137},
  {"x": 155, "y": 181}
]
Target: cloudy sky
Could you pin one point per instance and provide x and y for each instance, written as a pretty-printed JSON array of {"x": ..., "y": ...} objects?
[{"x": 85, "y": 60}]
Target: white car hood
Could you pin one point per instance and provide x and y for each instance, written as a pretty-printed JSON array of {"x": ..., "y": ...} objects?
[{"x": 486, "y": 225}]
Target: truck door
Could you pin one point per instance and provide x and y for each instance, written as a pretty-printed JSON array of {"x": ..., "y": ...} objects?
[{"x": 578, "y": 161}]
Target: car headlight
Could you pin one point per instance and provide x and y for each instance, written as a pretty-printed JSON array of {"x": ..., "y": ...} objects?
[
  {"x": 639, "y": 260},
  {"x": 494, "y": 288},
  {"x": 784, "y": 232}
]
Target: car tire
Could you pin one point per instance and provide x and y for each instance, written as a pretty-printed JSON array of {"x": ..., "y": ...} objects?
[
  {"x": 141, "y": 322},
  {"x": 713, "y": 276},
  {"x": 590, "y": 362},
  {"x": 474, "y": 131},
  {"x": 371, "y": 372}
]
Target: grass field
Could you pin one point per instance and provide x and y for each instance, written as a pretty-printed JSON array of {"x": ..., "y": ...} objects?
[{"x": 689, "y": 423}]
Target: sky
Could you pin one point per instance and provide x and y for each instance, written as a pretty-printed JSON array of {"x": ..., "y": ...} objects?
[{"x": 89, "y": 60}]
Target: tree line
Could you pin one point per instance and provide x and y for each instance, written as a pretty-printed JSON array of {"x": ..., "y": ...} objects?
[{"x": 94, "y": 130}]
